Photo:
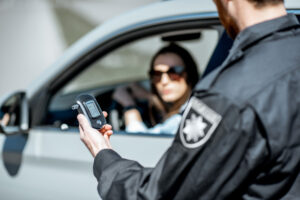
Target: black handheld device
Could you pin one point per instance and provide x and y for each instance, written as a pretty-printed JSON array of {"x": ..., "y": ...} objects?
[{"x": 87, "y": 105}]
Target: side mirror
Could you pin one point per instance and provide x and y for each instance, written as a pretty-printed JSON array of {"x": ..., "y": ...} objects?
[{"x": 14, "y": 114}]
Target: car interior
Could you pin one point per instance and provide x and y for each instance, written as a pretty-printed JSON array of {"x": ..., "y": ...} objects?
[{"x": 130, "y": 64}]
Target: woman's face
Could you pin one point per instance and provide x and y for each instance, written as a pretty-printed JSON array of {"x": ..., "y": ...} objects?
[{"x": 170, "y": 86}]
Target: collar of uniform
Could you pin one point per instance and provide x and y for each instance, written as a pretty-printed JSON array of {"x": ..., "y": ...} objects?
[
  {"x": 244, "y": 40},
  {"x": 259, "y": 31}
]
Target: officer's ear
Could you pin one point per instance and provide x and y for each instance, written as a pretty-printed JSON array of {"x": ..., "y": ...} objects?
[{"x": 232, "y": 7}]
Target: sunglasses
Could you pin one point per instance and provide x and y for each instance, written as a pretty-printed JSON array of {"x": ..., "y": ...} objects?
[{"x": 174, "y": 73}]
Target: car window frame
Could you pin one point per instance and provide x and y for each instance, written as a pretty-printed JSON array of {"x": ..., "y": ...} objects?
[{"x": 142, "y": 30}]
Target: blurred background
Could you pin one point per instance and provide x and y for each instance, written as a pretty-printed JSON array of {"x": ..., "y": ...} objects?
[{"x": 34, "y": 33}]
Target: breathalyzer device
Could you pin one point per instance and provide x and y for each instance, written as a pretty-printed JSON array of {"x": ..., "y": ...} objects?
[{"x": 87, "y": 105}]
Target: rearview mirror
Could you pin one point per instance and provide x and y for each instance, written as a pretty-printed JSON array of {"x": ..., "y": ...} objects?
[{"x": 14, "y": 114}]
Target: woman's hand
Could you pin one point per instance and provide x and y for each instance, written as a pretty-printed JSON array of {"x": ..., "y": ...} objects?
[
  {"x": 122, "y": 96},
  {"x": 5, "y": 119},
  {"x": 139, "y": 92}
]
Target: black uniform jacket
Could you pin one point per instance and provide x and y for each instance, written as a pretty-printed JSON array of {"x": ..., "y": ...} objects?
[{"x": 240, "y": 133}]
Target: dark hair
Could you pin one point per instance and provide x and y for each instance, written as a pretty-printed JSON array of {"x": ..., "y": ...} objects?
[
  {"x": 261, "y": 3},
  {"x": 165, "y": 110},
  {"x": 190, "y": 65},
  {"x": 161, "y": 108}
]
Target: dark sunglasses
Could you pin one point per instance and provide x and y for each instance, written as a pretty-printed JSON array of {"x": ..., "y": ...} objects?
[{"x": 174, "y": 73}]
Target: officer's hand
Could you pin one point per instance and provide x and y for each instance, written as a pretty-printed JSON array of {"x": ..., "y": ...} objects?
[{"x": 91, "y": 137}]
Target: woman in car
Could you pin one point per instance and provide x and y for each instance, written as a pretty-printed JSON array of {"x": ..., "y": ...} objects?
[{"x": 173, "y": 73}]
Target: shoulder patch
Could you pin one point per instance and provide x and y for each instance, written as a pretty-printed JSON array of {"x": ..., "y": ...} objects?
[{"x": 198, "y": 123}]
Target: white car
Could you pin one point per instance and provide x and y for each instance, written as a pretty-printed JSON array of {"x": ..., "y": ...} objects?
[{"x": 42, "y": 156}]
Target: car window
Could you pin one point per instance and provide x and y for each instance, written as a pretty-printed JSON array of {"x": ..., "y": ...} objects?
[{"x": 126, "y": 64}]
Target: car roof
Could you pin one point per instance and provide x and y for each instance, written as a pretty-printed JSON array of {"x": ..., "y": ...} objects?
[{"x": 137, "y": 17}]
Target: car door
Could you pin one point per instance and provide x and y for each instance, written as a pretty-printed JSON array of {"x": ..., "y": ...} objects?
[{"x": 50, "y": 162}]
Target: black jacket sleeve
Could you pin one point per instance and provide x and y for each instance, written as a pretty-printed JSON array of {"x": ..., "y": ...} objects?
[{"x": 217, "y": 165}]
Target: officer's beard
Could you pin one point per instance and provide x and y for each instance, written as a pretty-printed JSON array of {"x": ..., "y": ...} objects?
[
  {"x": 228, "y": 21},
  {"x": 232, "y": 29}
]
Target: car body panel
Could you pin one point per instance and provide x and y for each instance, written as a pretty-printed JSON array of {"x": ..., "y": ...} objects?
[
  {"x": 47, "y": 172},
  {"x": 51, "y": 163}
]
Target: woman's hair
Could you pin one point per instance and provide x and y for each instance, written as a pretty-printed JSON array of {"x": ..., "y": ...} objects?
[
  {"x": 190, "y": 65},
  {"x": 191, "y": 78}
]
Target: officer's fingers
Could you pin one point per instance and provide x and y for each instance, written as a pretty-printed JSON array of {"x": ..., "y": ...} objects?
[
  {"x": 83, "y": 122},
  {"x": 105, "y": 128},
  {"x": 86, "y": 140},
  {"x": 81, "y": 133},
  {"x": 106, "y": 137},
  {"x": 108, "y": 133},
  {"x": 83, "y": 137}
]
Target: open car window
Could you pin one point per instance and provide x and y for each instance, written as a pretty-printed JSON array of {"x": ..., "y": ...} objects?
[{"x": 124, "y": 65}]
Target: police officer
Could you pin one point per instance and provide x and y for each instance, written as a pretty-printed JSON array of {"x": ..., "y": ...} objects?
[{"x": 240, "y": 133}]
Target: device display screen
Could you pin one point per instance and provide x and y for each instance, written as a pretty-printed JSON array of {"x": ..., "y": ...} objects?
[{"x": 92, "y": 108}]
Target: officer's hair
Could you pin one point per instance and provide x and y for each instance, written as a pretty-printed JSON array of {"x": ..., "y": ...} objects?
[{"x": 262, "y": 3}]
